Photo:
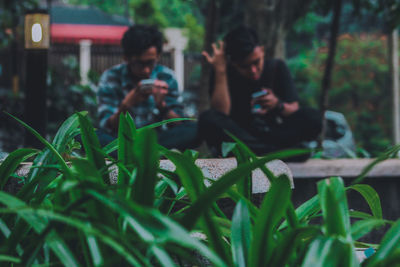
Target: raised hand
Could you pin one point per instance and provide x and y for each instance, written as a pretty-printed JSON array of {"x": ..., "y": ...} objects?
[{"x": 217, "y": 59}]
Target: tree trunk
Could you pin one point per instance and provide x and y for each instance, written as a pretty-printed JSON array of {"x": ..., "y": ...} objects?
[
  {"x": 326, "y": 80},
  {"x": 212, "y": 18},
  {"x": 393, "y": 43},
  {"x": 272, "y": 19}
]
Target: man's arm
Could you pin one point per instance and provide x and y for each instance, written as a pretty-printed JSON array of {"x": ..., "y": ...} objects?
[
  {"x": 220, "y": 97},
  {"x": 286, "y": 85},
  {"x": 109, "y": 98},
  {"x": 287, "y": 101},
  {"x": 130, "y": 100},
  {"x": 166, "y": 97}
]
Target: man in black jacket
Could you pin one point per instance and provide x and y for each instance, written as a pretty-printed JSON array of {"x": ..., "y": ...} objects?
[{"x": 254, "y": 98}]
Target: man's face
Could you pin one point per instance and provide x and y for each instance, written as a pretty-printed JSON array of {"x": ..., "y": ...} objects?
[
  {"x": 252, "y": 66},
  {"x": 142, "y": 65}
]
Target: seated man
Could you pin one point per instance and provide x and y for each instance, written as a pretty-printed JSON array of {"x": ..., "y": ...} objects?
[
  {"x": 254, "y": 98},
  {"x": 126, "y": 88}
]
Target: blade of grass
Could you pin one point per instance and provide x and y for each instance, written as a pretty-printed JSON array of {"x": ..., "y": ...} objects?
[
  {"x": 371, "y": 197},
  {"x": 11, "y": 163},
  {"x": 162, "y": 256},
  {"x": 146, "y": 157},
  {"x": 334, "y": 207},
  {"x": 363, "y": 227},
  {"x": 330, "y": 251},
  {"x": 47, "y": 144},
  {"x": 222, "y": 185},
  {"x": 92, "y": 147},
  {"x": 271, "y": 212},
  {"x": 126, "y": 136},
  {"x": 67, "y": 131},
  {"x": 240, "y": 234},
  {"x": 149, "y": 221},
  {"x": 193, "y": 181},
  {"x": 390, "y": 243},
  {"x": 388, "y": 154},
  {"x": 291, "y": 241},
  {"x": 158, "y": 124},
  {"x": 9, "y": 259},
  {"x": 39, "y": 223},
  {"x": 244, "y": 186},
  {"x": 191, "y": 176}
]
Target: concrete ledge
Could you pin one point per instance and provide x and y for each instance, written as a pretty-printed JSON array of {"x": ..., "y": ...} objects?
[
  {"x": 321, "y": 168},
  {"x": 211, "y": 168},
  {"x": 215, "y": 168}
]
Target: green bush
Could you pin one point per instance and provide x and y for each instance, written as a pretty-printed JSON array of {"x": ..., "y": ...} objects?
[
  {"x": 66, "y": 95},
  {"x": 67, "y": 213},
  {"x": 360, "y": 86}
]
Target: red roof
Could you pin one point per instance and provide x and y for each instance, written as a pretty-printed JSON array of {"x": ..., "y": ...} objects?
[{"x": 98, "y": 34}]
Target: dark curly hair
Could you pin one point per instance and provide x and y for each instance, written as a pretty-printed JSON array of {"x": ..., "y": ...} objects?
[
  {"x": 240, "y": 42},
  {"x": 138, "y": 38}
]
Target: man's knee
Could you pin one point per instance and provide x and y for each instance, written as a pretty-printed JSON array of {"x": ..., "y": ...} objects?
[
  {"x": 211, "y": 117},
  {"x": 311, "y": 121}
]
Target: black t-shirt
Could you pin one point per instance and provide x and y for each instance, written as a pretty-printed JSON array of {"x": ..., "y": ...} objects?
[{"x": 275, "y": 76}]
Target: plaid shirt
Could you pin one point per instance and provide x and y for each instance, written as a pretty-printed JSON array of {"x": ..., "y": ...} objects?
[{"x": 116, "y": 82}]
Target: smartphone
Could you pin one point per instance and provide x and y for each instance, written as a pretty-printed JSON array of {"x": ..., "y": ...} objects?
[
  {"x": 259, "y": 93},
  {"x": 147, "y": 84}
]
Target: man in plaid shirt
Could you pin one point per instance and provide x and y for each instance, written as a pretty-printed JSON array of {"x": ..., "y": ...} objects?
[{"x": 121, "y": 89}]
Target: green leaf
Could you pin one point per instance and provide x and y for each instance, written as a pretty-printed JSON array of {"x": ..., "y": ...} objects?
[
  {"x": 162, "y": 256},
  {"x": 363, "y": 227},
  {"x": 290, "y": 241},
  {"x": 146, "y": 157},
  {"x": 388, "y": 154},
  {"x": 334, "y": 207},
  {"x": 94, "y": 249},
  {"x": 390, "y": 243},
  {"x": 271, "y": 213},
  {"x": 11, "y": 163},
  {"x": 158, "y": 124},
  {"x": 39, "y": 223},
  {"x": 360, "y": 215},
  {"x": 244, "y": 186},
  {"x": 193, "y": 181},
  {"x": 67, "y": 131},
  {"x": 111, "y": 147},
  {"x": 11, "y": 259},
  {"x": 222, "y": 185},
  {"x": 47, "y": 144},
  {"x": 371, "y": 197},
  {"x": 126, "y": 136},
  {"x": 330, "y": 252},
  {"x": 105, "y": 236},
  {"x": 84, "y": 170},
  {"x": 92, "y": 147},
  {"x": 150, "y": 224},
  {"x": 190, "y": 175},
  {"x": 240, "y": 234}
]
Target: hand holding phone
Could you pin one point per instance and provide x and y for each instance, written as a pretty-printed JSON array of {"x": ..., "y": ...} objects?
[
  {"x": 259, "y": 94},
  {"x": 147, "y": 85},
  {"x": 256, "y": 107}
]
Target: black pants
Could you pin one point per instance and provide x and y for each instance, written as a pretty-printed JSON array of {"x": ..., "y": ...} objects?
[{"x": 286, "y": 132}]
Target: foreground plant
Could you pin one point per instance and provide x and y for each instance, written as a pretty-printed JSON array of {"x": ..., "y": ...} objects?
[{"x": 68, "y": 213}]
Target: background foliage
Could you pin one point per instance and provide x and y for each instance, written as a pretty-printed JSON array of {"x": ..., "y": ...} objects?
[
  {"x": 360, "y": 82},
  {"x": 360, "y": 76}
]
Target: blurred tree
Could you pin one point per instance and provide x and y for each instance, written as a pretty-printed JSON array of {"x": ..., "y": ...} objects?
[
  {"x": 360, "y": 85},
  {"x": 272, "y": 19},
  {"x": 11, "y": 14}
]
